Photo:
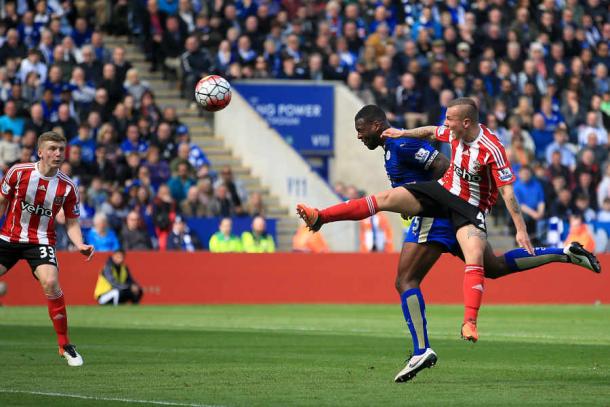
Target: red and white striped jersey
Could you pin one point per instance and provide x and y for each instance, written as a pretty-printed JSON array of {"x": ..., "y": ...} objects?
[
  {"x": 477, "y": 169},
  {"x": 33, "y": 203}
]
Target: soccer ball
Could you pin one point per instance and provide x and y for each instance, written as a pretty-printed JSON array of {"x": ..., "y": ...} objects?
[{"x": 213, "y": 93}]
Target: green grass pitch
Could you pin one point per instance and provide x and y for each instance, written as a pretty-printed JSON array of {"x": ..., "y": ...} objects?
[{"x": 314, "y": 355}]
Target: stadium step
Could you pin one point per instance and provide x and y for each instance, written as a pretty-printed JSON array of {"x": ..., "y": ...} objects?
[{"x": 200, "y": 124}]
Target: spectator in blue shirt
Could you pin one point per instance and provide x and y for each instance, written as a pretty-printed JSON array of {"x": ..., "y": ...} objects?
[
  {"x": 133, "y": 144},
  {"x": 542, "y": 137},
  {"x": 568, "y": 157},
  {"x": 552, "y": 119},
  {"x": 180, "y": 183},
  {"x": 530, "y": 195},
  {"x": 86, "y": 143},
  {"x": 101, "y": 236},
  {"x": 10, "y": 120}
]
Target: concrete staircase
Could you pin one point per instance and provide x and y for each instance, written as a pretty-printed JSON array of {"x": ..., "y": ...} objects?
[{"x": 201, "y": 128}]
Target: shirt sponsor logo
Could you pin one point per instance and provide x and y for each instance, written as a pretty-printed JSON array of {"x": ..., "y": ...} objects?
[
  {"x": 460, "y": 172},
  {"x": 422, "y": 155},
  {"x": 505, "y": 174},
  {"x": 36, "y": 210},
  {"x": 5, "y": 188}
]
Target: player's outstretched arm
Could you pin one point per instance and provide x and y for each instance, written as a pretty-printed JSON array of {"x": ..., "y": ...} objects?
[
  {"x": 522, "y": 238},
  {"x": 76, "y": 236},
  {"x": 425, "y": 132}
]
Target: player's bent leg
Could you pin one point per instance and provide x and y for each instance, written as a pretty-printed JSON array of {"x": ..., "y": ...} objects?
[
  {"x": 472, "y": 242},
  {"x": 415, "y": 262},
  {"x": 399, "y": 200},
  {"x": 48, "y": 275}
]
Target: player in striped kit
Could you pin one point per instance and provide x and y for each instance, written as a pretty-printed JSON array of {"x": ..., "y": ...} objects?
[{"x": 31, "y": 196}]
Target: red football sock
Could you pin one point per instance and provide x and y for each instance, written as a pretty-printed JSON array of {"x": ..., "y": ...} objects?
[
  {"x": 59, "y": 317},
  {"x": 474, "y": 280},
  {"x": 355, "y": 209}
]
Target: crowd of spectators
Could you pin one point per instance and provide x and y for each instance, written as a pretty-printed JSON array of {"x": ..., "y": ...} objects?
[
  {"x": 538, "y": 70},
  {"x": 135, "y": 165}
]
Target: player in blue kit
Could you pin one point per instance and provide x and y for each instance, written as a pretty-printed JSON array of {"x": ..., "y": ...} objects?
[{"x": 410, "y": 160}]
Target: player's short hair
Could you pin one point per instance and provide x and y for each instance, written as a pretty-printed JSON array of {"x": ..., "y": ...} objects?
[
  {"x": 51, "y": 136},
  {"x": 470, "y": 108},
  {"x": 371, "y": 113}
]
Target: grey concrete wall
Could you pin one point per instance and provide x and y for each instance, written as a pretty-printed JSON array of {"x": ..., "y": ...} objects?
[{"x": 280, "y": 167}]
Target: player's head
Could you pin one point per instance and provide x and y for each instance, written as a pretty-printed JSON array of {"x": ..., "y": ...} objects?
[
  {"x": 462, "y": 116},
  {"x": 52, "y": 148},
  {"x": 370, "y": 122}
]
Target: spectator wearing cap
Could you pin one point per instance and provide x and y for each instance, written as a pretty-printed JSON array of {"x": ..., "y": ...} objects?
[
  {"x": 258, "y": 240},
  {"x": 181, "y": 238}
]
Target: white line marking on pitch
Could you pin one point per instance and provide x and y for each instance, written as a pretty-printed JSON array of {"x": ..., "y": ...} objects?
[{"x": 78, "y": 396}]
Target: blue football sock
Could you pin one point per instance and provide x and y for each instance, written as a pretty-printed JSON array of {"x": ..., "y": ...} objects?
[
  {"x": 414, "y": 310},
  {"x": 520, "y": 259}
]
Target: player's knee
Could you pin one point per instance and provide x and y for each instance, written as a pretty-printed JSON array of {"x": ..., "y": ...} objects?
[
  {"x": 50, "y": 284},
  {"x": 383, "y": 199},
  {"x": 406, "y": 282}
]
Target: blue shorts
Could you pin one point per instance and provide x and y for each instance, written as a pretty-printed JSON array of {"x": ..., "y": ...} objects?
[{"x": 438, "y": 230}]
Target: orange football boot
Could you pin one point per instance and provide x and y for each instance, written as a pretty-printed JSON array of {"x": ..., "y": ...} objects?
[
  {"x": 469, "y": 331},
  {"x": 310, "y": 216}
]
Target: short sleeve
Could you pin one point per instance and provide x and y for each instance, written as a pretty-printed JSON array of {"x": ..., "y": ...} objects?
[
  {"x": 416, "y": 153},
  {"x": 442, "y": 133},
  {"x": 500, "y": 166},
  {"x": 72, "y": 204},
  {"x": 8, "y": 184}
]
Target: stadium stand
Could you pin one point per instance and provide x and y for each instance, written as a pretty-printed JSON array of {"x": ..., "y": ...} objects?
[{"x": 539, "y": 71}]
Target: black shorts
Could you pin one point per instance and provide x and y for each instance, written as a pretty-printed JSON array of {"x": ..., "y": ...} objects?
[
  {"x": 437, "y": 202},
  {"x": 35, "y": 254}
]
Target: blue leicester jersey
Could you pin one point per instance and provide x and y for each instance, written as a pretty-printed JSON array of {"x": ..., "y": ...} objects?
[{"x": 408, "y": 160}]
